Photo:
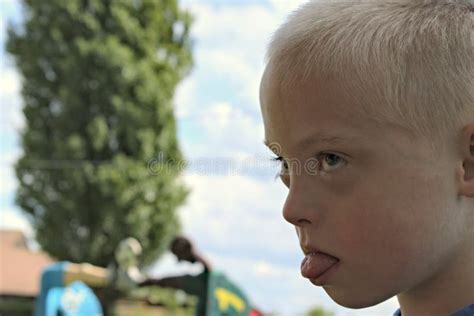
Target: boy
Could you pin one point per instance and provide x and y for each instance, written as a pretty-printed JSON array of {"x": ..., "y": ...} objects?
[{"x": 369, "y": 105}]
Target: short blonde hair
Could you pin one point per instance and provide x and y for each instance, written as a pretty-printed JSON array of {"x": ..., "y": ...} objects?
[{"x": 414, "y": 57}]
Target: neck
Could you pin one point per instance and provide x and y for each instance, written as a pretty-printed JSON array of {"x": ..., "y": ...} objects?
[{"x": 450, "y": 290}]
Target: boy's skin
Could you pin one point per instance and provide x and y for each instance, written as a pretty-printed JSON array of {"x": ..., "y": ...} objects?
[{"x": 399, "y": 217}]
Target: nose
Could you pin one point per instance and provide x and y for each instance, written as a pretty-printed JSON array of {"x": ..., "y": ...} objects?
[{"x": 298, "y": 209}]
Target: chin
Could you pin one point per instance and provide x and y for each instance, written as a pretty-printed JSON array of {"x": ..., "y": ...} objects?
[{"x": 354, "y": 300}]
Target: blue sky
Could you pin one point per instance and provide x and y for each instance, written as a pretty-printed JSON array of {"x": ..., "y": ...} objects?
[{"x": 234, "y": 217}]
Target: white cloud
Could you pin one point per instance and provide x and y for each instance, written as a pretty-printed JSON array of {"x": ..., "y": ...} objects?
[
  {"x": 226, "y": 212},
  {"x": 285, "y": 7},
  {"x": 228, "y": 51},
  {"x": 218, "y": 116},
  {"x": 8, "y": 183},
  {"x": 235, "y": 69},
  {"x": 11, "y": 218},
  {"x": 9, "y": 150},
  {"x": 226, "y": 131},
  {"x": 230, "y": 24},
  {"x": 265, "y": 269},
  {"x": 230, "y": 48},
  {"x": 226, "y": 64},
  {"x": 3, "y": 30},
  {"x": 9, "y": 81},
  {"x": 10, "y": 100},
  {"x": 185, "y": 102}
]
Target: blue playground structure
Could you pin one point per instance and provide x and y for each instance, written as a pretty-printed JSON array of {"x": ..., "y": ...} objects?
[{"x": 57, "y": 298}]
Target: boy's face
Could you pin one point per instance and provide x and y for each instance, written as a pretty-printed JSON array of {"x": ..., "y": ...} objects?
[{"x": 379, "y": 200}]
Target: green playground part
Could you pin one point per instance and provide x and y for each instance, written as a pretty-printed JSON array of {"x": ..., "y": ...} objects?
[{"x": 224, "y": 297}]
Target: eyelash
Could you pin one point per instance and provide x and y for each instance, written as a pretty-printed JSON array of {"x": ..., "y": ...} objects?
[{"x": 280, "y": 160}]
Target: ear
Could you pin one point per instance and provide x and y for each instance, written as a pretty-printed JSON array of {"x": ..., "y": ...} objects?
[{"x": 466, "y": 174}]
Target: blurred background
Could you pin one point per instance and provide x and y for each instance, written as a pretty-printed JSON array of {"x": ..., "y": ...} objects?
[{"x": 141, "y": 118}]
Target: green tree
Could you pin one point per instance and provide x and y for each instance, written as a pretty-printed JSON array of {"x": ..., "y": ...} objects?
[
  {"x": 319, "y": 311},
  {"x": 98, "y": 83}
]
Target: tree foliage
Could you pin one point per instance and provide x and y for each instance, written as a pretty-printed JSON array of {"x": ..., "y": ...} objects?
[{"x": 98, "y": 83}]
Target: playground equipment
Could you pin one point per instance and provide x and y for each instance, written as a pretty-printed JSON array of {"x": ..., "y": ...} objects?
[
  {"x": 224, "y": 297},
  {"x": 59, "y": 298},
  {"x": 65, "y": 287}
]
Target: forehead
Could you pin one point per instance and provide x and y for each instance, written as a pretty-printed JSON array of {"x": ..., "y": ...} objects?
[{"x": 308, "y": 111}]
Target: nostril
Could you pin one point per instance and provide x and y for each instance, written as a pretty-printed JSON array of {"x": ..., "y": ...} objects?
[{"x": 303, "y": 221}]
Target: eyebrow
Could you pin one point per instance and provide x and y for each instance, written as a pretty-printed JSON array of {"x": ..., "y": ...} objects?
[{"x": 320, "y": 138}]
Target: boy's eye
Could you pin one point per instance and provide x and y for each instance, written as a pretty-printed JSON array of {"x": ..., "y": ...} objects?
[
  {"x": 329, "y": 162},
  {"x": 283, "y": 165},
  {"x": 284, "y": 173},
  {"x": 326, "y": 162}
]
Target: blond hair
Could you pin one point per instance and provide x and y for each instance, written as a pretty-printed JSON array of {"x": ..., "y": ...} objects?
[{"x": 408, "y": 62}]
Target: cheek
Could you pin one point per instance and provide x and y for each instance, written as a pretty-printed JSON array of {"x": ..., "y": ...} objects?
[
  {"x": 368, "y": 234},
  {"x": 388, "y": 221},
  {"x": 382, "y": 243}
]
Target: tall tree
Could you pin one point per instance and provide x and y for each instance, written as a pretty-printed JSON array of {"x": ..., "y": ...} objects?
[{"x": 98, "y": 83}]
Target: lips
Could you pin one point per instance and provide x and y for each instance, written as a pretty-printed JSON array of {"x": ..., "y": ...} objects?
[{"x": 316, "y": 264}]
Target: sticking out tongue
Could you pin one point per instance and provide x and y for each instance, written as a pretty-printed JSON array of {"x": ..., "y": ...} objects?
[{"x": 315, "y": 264}]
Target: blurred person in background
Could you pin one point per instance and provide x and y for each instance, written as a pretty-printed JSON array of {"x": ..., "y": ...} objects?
[{"x": 196, "y": 285}]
